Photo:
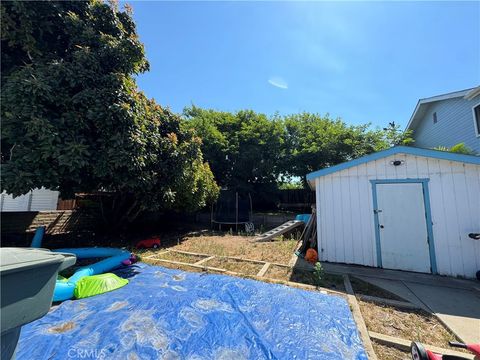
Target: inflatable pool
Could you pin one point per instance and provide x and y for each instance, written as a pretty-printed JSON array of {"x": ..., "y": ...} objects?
[{"x": 66, "y": 288}]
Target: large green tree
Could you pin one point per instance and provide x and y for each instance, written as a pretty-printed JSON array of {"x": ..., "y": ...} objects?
[
  {"x": 313, "y": 142},
  {"x": 74, "y": 120},
  {"x": 244, "y": 149}
]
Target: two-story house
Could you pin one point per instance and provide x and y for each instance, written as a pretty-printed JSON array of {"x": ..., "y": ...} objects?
[{"x": 448, "y": 119}]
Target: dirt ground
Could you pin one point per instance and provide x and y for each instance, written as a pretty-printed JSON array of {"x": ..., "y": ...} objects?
[
  {"x": 414, "y": 325},
  {"x": 389, "y": 353}
]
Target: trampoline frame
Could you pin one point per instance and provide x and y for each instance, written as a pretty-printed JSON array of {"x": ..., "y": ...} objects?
[{"x": 236, "y": 222}]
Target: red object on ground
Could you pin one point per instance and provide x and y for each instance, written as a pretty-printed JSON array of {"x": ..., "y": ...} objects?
[
  {"x": 153, "y": 242},
  {"x": 311, "y": 256},
  {"x": 420, "y": 353},
  {"x": 474, "y": 348}
]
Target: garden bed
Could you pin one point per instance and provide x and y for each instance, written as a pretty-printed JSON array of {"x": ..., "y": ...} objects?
[
  {"x": 414, "y": 325},
  {"x": 225, "y": 244},
  {"x": 328, "y": 281},
  {"x": 243, "y": 267}
]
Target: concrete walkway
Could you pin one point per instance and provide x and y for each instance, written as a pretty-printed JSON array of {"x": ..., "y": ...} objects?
[{"x": 455, "y": 302}]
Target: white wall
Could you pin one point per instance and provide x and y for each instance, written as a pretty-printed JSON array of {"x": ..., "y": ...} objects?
[
  {"x": 36, "y": 200},
  {"x": 345, "y": 211}
]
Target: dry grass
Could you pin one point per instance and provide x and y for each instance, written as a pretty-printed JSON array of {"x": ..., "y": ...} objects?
[
  {"x": 181, "y": 267},
  {"x": 239, "y": 266},
  {"x": 279, "y": 272},
  {"x": 413, "y": 325},
  {"x": 174, "y": 256},
  {"x": 305, "y": 277},
  {"x": 365, "y": 288},
  {"x": 231, "y": 245},
  {"x": 389, "y": 352}
]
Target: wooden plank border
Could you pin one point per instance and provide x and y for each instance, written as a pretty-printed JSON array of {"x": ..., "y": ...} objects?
[
  {"x": 204, "y": 260},
  {"x": 154, "y": 255},
  {"x": 357, "y": 315},
  {"x": 263, "y": 270},
  {"x": 229, "y": 257},
  {"x": 191, "y": 265},
  {"x": 189, "y": 253},
  {"x": 255, "y": 277}
]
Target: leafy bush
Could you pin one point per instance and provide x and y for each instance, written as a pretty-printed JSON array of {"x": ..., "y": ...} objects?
[{"x": 459, "y": 148}]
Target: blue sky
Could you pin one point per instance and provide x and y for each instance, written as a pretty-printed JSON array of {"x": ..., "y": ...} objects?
[{"x": 361, "y": 61}]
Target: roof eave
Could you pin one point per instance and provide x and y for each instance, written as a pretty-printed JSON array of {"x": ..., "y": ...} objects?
[
  {"x": 452, "y": 95},
  {"x": 436, "y": 154},
  {"x": 410, "y": 122}
]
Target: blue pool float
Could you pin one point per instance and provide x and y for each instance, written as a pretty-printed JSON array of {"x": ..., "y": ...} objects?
[{"x": 65, "y": 288}]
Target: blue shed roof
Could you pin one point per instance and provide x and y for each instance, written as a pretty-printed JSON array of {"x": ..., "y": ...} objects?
[{"x": 443, "y": 155}]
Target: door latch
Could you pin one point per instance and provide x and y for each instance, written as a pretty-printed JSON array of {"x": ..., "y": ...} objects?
[{"x": 376, "y": 211}]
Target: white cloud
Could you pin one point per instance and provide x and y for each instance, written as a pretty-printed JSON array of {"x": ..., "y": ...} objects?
[{"x": 278, "y": 82}]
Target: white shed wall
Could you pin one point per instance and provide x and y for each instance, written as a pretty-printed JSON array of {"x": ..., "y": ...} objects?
[
  {"x": 36, "y": 200},
  {"x": 345, "y": 216}
]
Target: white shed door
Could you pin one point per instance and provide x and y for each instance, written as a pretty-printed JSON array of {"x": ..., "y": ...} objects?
[{"x": 403, "y": 227}]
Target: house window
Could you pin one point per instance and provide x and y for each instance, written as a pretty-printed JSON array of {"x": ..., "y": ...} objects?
[
  {"x": 434, "y": 117},
  {"x": 476, "y": 119}
]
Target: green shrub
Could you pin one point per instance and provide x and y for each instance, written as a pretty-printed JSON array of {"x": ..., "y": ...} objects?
[
  {"x": 459, "y": 148},
  {"x": 318, "y": 273}
]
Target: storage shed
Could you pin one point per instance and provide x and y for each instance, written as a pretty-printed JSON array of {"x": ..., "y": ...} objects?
[{"x": 402, "y": 208}]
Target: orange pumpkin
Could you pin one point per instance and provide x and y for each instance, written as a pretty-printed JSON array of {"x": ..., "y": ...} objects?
[{"x": 311, "y": 256}]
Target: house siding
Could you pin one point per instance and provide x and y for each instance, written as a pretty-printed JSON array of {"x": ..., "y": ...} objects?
[
  {"x": 346, "y": 229},
  {"x": 454, "y": 125}
]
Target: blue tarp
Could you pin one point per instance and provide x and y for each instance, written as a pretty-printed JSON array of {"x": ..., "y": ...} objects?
[{"x": 170, "y": 314}]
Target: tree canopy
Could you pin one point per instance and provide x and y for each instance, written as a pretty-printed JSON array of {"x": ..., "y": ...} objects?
[
  {"x": 74, "y": 120},
  {"x": 244, "y": 149},
  {"x": 248, "y": 150},
  {"x": 313, "y": 142}
]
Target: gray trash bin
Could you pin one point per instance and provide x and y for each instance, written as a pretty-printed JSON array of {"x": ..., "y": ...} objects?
[{"x": 27, "y": 282}]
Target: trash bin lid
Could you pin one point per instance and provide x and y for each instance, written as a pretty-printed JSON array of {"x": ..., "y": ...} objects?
[{"x": 19, "y": 259}]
